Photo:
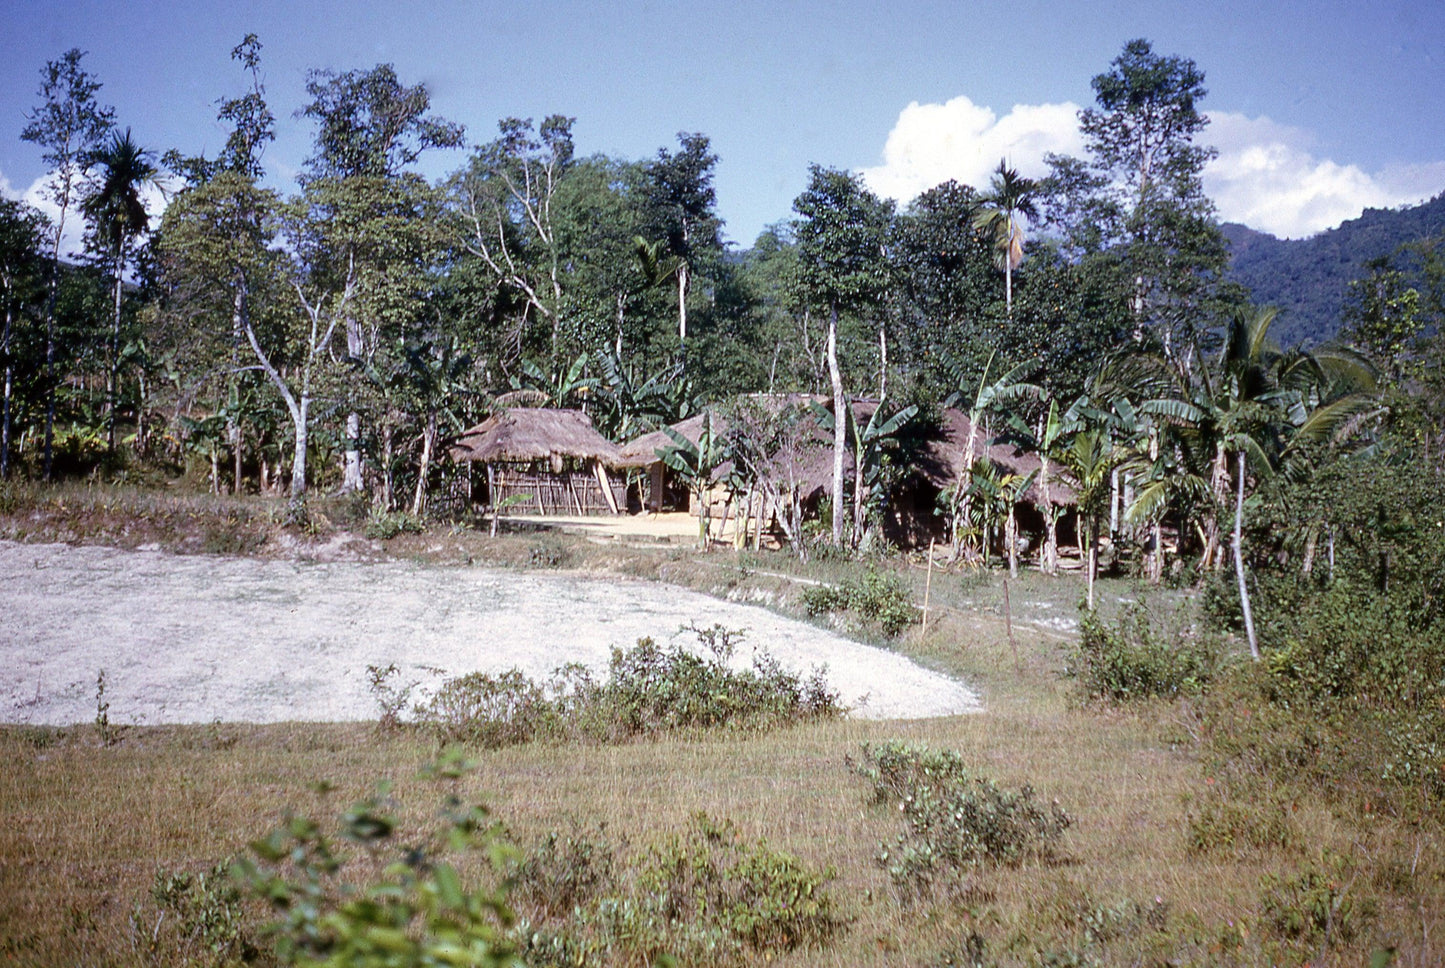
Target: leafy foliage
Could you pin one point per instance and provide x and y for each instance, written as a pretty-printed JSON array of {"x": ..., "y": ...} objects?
[
  {"x": 954, "y": 819},
  {"x": 649, "y": 689},
  {"x": 876, "y": 600},
  {"x": 1139, "y": 657}
]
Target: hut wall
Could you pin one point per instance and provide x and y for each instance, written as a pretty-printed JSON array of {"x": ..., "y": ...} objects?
[{"x": 532, "y": 489}]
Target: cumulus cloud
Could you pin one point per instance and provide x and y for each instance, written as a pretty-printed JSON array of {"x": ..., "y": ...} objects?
[
  {"x": 1266, "y": 175},
  {"x": 72, "y": 242},
  {"x": 963, "y": 141}
]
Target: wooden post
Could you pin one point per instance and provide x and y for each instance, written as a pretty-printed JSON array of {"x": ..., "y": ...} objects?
[
  {"x": 1008, "y": 618},
  {"x": 927, "y": 587}
]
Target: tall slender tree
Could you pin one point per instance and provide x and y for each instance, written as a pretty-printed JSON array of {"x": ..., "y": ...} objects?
[
  {"x": 68, "y": 125},
  {"x": 118, "y": 217},
  {"x": 367, "y": 218},
  {"x": 841, "y": 230},
  {"x": 1008, "y": 202}
]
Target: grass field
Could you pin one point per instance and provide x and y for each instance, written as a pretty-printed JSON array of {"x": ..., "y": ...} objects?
[{"x": 90, "y": 816}]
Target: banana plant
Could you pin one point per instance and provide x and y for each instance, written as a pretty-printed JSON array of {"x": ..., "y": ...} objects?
[{"x": 695, "y": 463}]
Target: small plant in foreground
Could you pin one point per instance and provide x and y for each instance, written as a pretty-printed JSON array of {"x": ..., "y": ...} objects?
[
  {"x": 420, "y": 912},
  {"x": 707, "y": 895},
  {"x": 198, "y": 915},
  {"x": 955, "y": 820}
]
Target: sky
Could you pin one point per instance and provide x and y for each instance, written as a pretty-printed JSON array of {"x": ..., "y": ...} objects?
[{"x": 1318, "y": 108}]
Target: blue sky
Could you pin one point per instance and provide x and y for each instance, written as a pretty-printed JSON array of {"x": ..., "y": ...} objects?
[{"x": 1321, "y": 108}]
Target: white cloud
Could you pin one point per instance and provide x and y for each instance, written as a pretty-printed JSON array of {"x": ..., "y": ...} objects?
[
  {"x": 1267, "y": 178},
  {"x": 931, "y": 143},
  {"x": 1266, "y": 175},
  {"x": 72, "y": 243}
]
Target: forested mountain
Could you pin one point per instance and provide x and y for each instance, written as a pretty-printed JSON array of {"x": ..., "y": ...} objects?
[{"x": 1309, "y": 279}]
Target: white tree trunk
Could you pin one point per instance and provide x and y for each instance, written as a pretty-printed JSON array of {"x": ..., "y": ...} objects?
[
  {"x": 1239, "y": 563},
  {"x": 840, "y": 426}
]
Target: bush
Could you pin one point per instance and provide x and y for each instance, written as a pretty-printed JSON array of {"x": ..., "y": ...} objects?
[
  {"x": 385, "y": 525},
  {"x": 876, "y": 600},
  {"x": 1315, "y": 906},
  {"x": 417, "y": 912},
  {"x": 649, "y": 689},
  {"x": 706, "y": 896},
  {"x": 198, "y": 915},
  {"x": 1140, "y": 657},
  {"x": 954, "y": 819}
]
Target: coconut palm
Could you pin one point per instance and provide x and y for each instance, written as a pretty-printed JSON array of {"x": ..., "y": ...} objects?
[
  {"x": 118, "y": 216},
  {"x": 1009, "y": 200}
]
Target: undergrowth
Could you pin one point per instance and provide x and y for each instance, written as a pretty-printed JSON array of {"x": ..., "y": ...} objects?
[
  {"x": 955, "y": 820},
  {"x": 649, "y": 689}
]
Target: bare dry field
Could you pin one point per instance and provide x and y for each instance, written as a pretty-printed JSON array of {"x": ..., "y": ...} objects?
[{"x": 201, "y": 638}]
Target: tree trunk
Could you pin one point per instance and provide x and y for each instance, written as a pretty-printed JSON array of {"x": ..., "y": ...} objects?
[
  {"x": 428, "y": 439},
  {"x": 298, "y": 457},
  {"x": 112, "y": 382},
  {"x": 351, "y": 478},
  {"x": 1219, "y": 488},
  {"x": 9, "y": 385},
  {"x": 840, "y": 426},
  {"x": 1011, "y": 539},
  {"x": 682, "y": 302},
  {"x": 1049, "y": 559},
  {"x": 238, "y": 453},
  {"x": 1239, "y": 563}
]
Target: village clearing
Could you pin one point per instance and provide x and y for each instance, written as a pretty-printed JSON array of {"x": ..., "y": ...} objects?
[{"x": 203, "y": 638}]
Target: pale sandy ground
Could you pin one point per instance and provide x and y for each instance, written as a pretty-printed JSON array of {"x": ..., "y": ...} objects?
[{"x": 194, "y": 639}]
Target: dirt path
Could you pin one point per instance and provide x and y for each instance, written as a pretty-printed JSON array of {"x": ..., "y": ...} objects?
[{"x": 188, "y": 639}]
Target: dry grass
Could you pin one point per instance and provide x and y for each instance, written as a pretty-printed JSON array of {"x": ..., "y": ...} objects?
[{"x": 84, "y": 827}]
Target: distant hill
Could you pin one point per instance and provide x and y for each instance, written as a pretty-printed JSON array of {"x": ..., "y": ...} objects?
[{"x": 1308, "y": 278}]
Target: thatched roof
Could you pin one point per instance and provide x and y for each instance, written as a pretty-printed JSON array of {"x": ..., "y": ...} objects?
[
  {"x": 940, "y": 457},
  {"x": 944, "y": 458},
  {"x": 642, "y": 451},
  {"x": 523, "y": 435}
]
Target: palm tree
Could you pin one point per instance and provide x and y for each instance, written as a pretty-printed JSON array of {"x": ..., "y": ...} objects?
[
  {"x": 1009, "y": 200},
  {"x": 1004, "y": 390},
  {"x": 1266, "y": 404},
  {"x": 118, "y": 216},
  {"x": 1090, "y": 460}
]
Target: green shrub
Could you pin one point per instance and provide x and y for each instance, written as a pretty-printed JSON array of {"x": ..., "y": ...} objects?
[
  {"x": 1140, "y": 657},
  {"x": 1315, "y": 906},
  {"x": 875, "y": 600},
  {"x": 385, "y": 525},
  {"x": 649, "y": 689},
  {"x": 566, "y": 871},
  {"x": 955, "y": 820},
  {"x": 705, "y": 896},
  {"x": 197, "y": 915},
  {"x": 418, "y": 911}
]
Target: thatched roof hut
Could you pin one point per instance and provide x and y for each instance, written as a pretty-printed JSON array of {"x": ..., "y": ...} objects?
[
  {"x": 543, "y": 461},
  {"x": 524, "y": 435}
]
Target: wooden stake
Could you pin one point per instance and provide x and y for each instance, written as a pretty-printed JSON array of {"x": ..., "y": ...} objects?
[
  {"x": 927, "y": 586},
  {"x": 1008, "y": 618}
]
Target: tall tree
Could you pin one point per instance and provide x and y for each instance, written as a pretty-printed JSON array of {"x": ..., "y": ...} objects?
[
  {"x": 21, "y": 231},
  {"x": 68, "y": 125},
  {"x": 118, "y": 217},
  {"x": 1007, "y": 203},
  {"x": 841, "y": 231},
  {"x": 1140, "y": 197},
  {"x": 504, "y": 201},
  {"x": 364, "y": 206},
  {"x": 683, "y": 202}
]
